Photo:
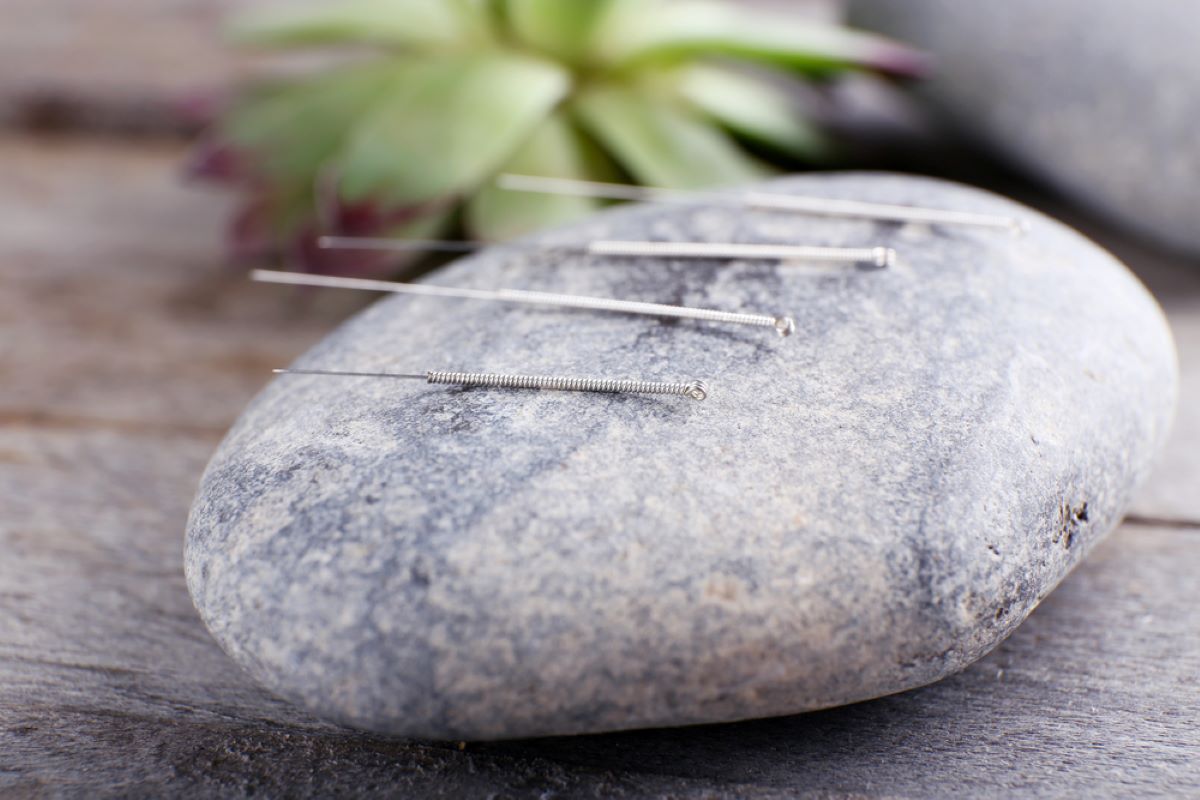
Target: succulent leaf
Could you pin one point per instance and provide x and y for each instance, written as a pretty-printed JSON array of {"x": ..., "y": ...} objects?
[
  {"x": 753, "y": 109},
  {"x": 293, "y": 130},
  {"x": 663, "y": 143},
  {"x": 557, "y": 150},
  {"x": 683, "y": 30},
  {"x": 446, "y": 123},
  {"x": 564, "y": 29},
  {"x": 409, "y": 141}
]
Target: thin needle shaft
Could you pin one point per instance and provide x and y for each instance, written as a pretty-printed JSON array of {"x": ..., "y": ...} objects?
[
  {"x": 399, "y": 245},
  {"x": 725, "y": 251},
  {"x": 818, "y": 206},
  {"x": 878, "y": 256},
  {"x": 782, "y": 325},
  {"x": 696, "y": 390},
  {"x": 349, "y": 374}
]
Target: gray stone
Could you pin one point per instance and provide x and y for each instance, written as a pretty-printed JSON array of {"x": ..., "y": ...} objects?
[
  {"x": 1101, "y": 98},
  {"x": 864, "y": 507}
]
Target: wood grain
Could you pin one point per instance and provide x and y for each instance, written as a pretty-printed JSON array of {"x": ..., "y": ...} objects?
[
  {"x": 130, "y": 65},
  {"x": 125, "y": 350},
  {"x": 118, "y": 311}
]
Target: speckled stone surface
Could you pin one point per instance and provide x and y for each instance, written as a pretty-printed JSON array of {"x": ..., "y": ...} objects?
[
  {"x": 1100, "y": 97},
  {"x": 862, "y": 508}
]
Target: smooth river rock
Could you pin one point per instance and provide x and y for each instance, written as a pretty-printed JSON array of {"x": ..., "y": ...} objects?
[
  {"x": 1099, "y": 97},
  {"x": 864, "y": 507}
]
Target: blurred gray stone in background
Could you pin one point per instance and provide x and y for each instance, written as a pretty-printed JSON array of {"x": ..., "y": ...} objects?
[{"x": 1100, "y": 98}]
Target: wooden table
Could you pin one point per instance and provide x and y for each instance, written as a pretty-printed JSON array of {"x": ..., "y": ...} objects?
[{"x": 126, "y": 349}]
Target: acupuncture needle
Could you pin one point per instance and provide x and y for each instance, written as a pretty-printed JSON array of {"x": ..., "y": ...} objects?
[
  {"x": 782, "y": 325},
  {"x": 817, "y": 206},
  {"x": 695, "y": 390},
  {"x": 878, "y": 257}
]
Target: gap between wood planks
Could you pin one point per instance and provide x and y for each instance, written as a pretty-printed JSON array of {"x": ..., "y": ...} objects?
[
  {"x": 1148, "y": 521},
  {"x": 37, "y": 419}
]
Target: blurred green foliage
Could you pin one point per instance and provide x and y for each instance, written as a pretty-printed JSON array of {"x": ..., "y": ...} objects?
[{"x": 442, "y": 95}]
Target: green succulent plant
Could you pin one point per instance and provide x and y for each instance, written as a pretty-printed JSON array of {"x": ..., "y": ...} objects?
[{"x": 442, "y": 95}]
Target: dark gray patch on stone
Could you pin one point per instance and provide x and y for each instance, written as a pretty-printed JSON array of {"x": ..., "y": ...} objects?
[
  {"x": 862, "y": 508},
  {"x": 1099, "y": 97}
]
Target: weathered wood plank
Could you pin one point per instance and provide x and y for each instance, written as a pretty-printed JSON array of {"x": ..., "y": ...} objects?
[
  {"x": 118, "y": 311},
  {"x": 128, "y": 65}
]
